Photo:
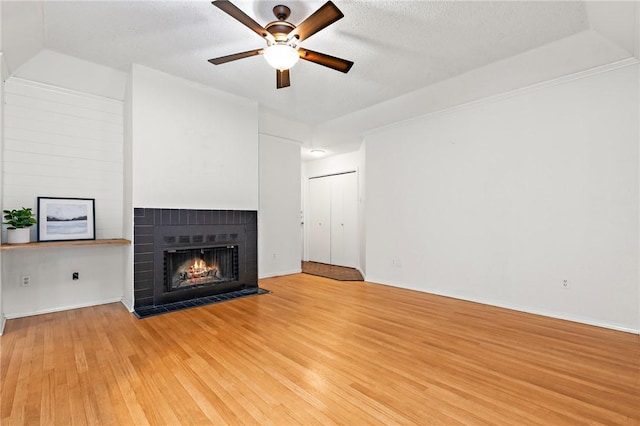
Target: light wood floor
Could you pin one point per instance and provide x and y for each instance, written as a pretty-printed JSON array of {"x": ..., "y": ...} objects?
[{"x": 317, "y": 351}]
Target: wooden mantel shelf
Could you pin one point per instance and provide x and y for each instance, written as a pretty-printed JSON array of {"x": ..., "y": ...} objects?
[{"x": 113, "y": 241}]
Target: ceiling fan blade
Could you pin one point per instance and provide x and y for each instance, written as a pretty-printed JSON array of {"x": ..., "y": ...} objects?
[
  {"x": 282, "y": 79},
  {"x": 235, "y": 56},
  {"x": 329, "y": 61},
  {"x": 233, "y": 11},
  {"x": 321, "y": 18}
]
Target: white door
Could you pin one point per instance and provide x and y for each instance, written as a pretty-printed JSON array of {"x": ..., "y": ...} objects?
[
  {"x": 344, "y": 218},
  {"x": 320, "y": 220},
  {"x": 333, "y": 219}
]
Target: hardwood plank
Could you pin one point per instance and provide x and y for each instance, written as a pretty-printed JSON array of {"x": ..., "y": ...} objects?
[{"x": 317, "y": 351}]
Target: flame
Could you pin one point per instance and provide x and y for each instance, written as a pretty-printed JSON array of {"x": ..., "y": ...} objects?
[
  {"x": 200, "y": 270},
  {"x": 199, "y": 266}
]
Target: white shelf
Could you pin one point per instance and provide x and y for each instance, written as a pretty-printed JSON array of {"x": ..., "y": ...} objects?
[{"x": 52, "y": 244}]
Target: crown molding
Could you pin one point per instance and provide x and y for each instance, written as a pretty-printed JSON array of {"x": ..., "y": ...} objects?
[
  {"x": 511, "y": 93},
  {"x": 58, "y": 89}
]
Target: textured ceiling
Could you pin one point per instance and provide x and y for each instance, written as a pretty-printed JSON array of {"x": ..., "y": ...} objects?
[
  {"x": 397, "y": 46},
  {"x": 411, "y": 57}
]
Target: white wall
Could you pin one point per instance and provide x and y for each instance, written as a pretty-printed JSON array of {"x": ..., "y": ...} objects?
[
  {"x": 51, "y": 288},
  {"x": 362, "y": 208},
  {"x": 22, "y": 31},
  {"x": 279, "y": 227},
  {"x": 329, "y": 166},
  {"x": 62, "y": 143},
  {"x": 332, "y": 165},
  {"x": 500, "y": 201},
  {"x": 54, "y": 68},
  {"x": 193, "y": 146},
  {"x": 2, "y": 78},
  {"x": 127, "y": 194},
  {"x": 274, "y": 124}
]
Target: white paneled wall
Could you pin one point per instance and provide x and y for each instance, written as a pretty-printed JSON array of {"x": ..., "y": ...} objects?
[{"x": 60, "y": 143}]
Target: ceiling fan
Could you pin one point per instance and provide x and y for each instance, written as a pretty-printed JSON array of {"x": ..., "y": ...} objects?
[{"x": 283, "y": 38}]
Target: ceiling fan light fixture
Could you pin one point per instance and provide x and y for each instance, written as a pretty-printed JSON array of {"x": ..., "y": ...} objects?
[
  {"x": 281, "y": 56},
  {"x": 283, "y": 38}
]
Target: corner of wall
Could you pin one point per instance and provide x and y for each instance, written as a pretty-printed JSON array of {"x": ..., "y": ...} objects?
[
  {"x": 22, "y": 31},
  {"x": 3, "y": 67},
  {"x": 362, "y": 207},
  {"x": 637, "y": 55},
  {"x": 127, "y": 304},
  {"x": 127, "y": 190},
  {"x": 637, "y": 39}
]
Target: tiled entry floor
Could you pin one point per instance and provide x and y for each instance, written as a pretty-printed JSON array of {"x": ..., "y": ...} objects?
[{"x": 339, "y": 273}]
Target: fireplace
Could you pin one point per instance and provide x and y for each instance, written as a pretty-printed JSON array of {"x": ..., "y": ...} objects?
[
  {"x": 198, "y": 267},
  {"x": 182, "y": 255}
]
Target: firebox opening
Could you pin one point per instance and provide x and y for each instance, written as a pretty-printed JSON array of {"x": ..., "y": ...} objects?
[{"x": 198, "y": 267}]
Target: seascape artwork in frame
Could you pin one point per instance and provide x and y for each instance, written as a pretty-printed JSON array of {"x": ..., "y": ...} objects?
[{"x": 66, "y": 219}]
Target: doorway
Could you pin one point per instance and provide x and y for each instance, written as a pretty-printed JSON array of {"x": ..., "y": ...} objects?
[{"x": 333, "y": 219}]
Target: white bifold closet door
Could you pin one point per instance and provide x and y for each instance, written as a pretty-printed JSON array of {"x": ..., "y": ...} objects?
[
  {"x": 320, "y": 220},
  {"x": 333, "y": 217}
]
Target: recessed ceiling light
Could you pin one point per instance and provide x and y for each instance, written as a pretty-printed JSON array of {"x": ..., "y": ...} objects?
[{"x": 318, "y": 152}]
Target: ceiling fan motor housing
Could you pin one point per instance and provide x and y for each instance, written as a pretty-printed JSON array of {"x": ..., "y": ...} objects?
[{"x": 280, "y": 29}]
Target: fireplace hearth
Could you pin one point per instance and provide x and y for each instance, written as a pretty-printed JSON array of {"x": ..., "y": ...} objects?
[{"x": 182, "y": 255}]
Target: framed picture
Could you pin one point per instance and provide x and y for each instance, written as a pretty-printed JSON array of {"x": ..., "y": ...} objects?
[{"x": 66, "y": 219}]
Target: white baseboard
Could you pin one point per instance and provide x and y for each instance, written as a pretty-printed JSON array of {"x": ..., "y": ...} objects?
[
  {"x": 512, "y": 307},
  {"x": 127, "y": 304},
  {"x": 3, "y": 321},
  {"x": 64, "y": 308},
  {"x": 280, "y": 273}
]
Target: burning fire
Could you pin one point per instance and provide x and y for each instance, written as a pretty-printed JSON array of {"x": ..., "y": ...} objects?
[{"x": 199, "y": 269}]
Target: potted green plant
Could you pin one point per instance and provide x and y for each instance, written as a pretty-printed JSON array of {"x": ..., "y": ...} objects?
[{"x": 19, "y": 222}]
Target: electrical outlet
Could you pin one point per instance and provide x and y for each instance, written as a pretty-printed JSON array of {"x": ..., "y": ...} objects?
[
  {"x": 25, "y": 280},
  {"x": 273, "y": 256},
  {"x": 565, "y": 284},
  {"x": 396, "y": 262}
]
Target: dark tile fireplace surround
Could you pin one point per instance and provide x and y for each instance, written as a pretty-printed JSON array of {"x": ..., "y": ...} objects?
[{"x": 161, "y": 233}]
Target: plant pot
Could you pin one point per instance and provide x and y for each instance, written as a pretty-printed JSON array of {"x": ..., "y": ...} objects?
[{"x": 18, "y": 236}]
